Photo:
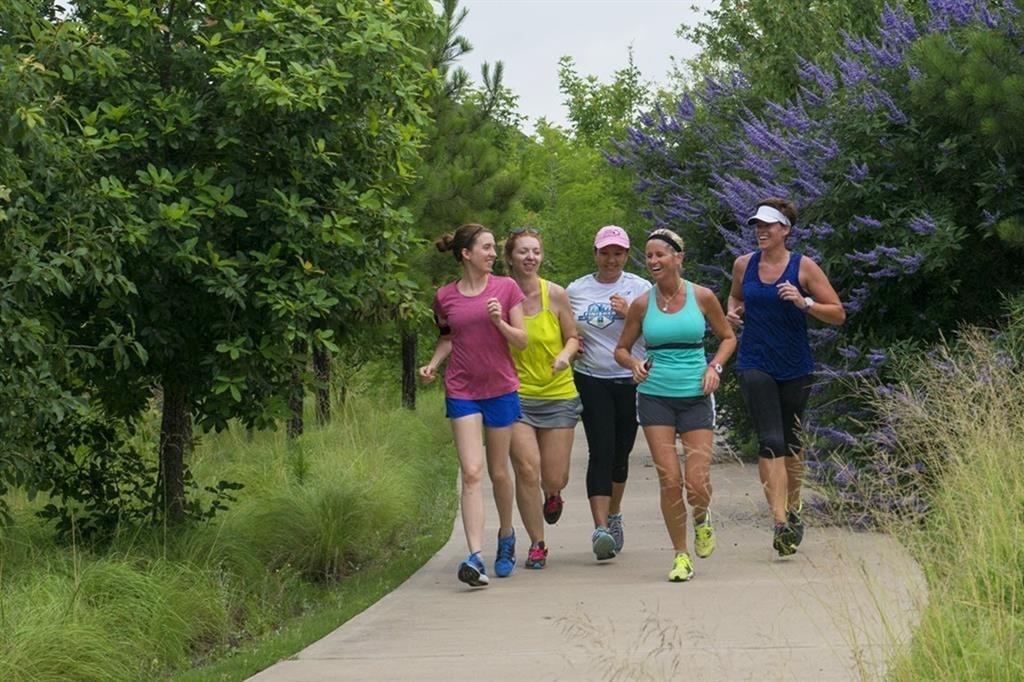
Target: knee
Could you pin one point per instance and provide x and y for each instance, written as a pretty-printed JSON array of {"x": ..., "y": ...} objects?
[
  {"x": 472, "y": 476},
  {"x": 770, "y": 448},
  {"x": 527, "y": 473},
  {"x": 500, "y": 476}
]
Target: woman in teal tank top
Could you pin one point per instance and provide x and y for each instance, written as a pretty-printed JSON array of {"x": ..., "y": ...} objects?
[{"x": 675, "y": 386}]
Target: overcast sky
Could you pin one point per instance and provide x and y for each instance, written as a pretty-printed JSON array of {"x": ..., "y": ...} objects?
[{"x": 530, "y": 36}]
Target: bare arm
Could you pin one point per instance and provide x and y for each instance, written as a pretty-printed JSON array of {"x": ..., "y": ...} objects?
[
  {"x": 429, "y": 371},
  {"x": 567, "y": 323},
  {"x": 514, "y": 330},
  {"x": 630, "y": 333},
  {"x": 735, "y": 302},
  {"x": 827, "y": 306},
  {"x": 712, "y": 309}
]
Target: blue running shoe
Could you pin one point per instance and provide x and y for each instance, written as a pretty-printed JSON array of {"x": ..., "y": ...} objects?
[
  {"x": 471, "y": 571},
  {"x": 505, "y": 562}
]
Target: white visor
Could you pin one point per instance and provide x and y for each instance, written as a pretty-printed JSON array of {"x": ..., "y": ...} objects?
[{"x": 767, "y": 214}]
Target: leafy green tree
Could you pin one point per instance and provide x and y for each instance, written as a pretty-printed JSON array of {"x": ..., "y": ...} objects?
[
  {"x": 766, "y": 39},
  {"x": 470, "y": 172},
  {"x": 600, "y": 111},
  {"x": 243, "y": 160}
]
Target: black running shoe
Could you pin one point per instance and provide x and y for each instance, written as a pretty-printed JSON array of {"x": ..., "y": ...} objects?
[{"x": 796, "y": 521}]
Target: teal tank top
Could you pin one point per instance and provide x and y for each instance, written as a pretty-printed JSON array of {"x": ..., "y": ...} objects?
[{"x": 675, "y": 343}]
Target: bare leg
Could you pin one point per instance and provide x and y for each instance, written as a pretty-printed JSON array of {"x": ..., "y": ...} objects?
[
  {"x": 498, "y": 441},
  {"x": 773, "y": 478},
  {"x": 661, "y": 440},
  {"x": 697, "y": 446},
  {"x": 468, "y": 432},
  {"x": 618, "y": 490},
  {"x": 555, "y": 450},
  {"x": 794, "y": 479},
  {"x": 526, "y": 462}
]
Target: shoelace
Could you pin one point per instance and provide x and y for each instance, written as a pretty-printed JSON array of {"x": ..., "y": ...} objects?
[{"x": 505, "y": 548}]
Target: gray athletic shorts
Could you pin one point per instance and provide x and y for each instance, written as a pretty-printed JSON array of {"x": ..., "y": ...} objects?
[
  {"x": 551, "y": 414},
  {"x": 685, "y": 414}
]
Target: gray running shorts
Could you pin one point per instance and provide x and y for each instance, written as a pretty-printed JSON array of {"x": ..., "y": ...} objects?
[
  {"x": 551, "y": 414},
  {"x": 685, "y": 414}
]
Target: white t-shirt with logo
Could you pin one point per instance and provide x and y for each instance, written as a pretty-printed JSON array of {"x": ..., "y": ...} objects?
[{"x": 599, "y": 326}]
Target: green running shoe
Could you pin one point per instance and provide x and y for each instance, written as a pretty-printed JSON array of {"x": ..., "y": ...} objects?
[{"x": 682, "y": 568}]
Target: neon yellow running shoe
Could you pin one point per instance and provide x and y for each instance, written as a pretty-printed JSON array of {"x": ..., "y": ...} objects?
[
  {"x": 704, "y": 538},
  {"x": 682, "y": 568}
]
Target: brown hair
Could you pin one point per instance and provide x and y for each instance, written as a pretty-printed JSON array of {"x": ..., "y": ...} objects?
[
  {"x": 463, "y": 238},
  {"x": 783, "y": 206},
  {"x": 513, "y": 237}
]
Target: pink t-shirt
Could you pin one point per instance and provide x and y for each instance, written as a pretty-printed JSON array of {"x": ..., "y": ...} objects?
[{"x": 481, "y": 365}]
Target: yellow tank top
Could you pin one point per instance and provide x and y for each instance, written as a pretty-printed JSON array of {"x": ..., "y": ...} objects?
[{"x": 534, "y": 364}]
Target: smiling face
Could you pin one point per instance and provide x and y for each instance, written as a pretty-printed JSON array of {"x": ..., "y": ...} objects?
[
  {"x": 610, "y": 260},
  {"x": 770, "y": 235},
  {"x": 526, "y": 255},
  {"x": 663, "y": 261},
  {"x": 481, "y": 254}
]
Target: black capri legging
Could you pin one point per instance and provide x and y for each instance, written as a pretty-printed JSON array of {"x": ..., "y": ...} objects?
[
  {"x": 776, "y": 408},
  {"x": 609, "y": 420}
]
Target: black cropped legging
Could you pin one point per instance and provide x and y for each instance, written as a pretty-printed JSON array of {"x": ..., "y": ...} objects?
[
  {"x": 776, "y": 408},
  {"x": 609, "y": 420}
]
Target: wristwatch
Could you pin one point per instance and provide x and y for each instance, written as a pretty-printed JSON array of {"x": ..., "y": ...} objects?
[
  {"x": 808, "y": 302},
  {"x": 717, "y": 366}
]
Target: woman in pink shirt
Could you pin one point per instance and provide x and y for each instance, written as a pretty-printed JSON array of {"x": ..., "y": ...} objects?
[{"x": 479, "y": 316}]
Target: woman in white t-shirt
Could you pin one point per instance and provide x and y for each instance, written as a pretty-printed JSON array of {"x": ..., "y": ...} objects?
[{"x": 599, "y": 303}]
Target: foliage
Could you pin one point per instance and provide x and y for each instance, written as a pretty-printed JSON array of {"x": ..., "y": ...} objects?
[
  {"x": 890, "y": 207},
  {"x": 226, "y": 180},
  {"x": 151, "y": 602},
  {"x": 959, "y": 415},
  {"x": 767, "y": 39},
  {"x": 598, "y": 111}
]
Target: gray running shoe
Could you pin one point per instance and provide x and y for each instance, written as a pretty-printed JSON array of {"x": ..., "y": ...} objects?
[
  {"x": 603, "y": 543},
  {"x": 617, "y": 531}
]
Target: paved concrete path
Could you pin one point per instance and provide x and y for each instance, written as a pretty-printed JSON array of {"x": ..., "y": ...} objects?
[{"x": 828, "y": 613}]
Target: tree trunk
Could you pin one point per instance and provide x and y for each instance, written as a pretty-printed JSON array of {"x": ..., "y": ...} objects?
[
  {"x": 408, "y": 368},
  {"x": 298, "y": 390},
  {"x": 175, "y": 437},
  {"x": 322, "y": 372}
]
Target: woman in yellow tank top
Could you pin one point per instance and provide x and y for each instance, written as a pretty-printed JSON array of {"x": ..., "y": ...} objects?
[{"x": 542, "y": 438}]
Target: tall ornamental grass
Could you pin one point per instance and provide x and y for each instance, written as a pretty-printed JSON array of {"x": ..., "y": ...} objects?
[
  {"x": 962, "y": 414},
  {"x": 351, "y": 496}
]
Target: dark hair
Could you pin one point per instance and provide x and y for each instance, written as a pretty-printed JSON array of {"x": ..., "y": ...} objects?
[
  {"x": 783, "y": 206},
  {"x": 513, "y": 237},
  {"x": 463, "y": 238}
]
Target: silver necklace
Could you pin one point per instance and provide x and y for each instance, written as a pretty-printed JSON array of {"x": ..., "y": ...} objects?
[{"x": 664, "y": 307}]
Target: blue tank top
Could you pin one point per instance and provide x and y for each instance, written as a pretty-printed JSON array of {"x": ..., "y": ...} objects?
[
  {"x": 675, "y": 344},
  {"x": 774, "y": 336}
]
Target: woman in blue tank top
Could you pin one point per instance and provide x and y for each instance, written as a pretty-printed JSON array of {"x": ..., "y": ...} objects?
[
  {"x": 675, "y": 386},
  {"x": 773, "y": 292}
]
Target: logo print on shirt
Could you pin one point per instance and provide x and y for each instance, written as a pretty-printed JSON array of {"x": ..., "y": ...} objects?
[{"x": 598, "y": 315}]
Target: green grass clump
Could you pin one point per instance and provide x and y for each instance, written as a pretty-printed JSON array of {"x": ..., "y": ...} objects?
[
  {"x": 323, "y": 527},
  {"x": 965, "y": 419}
]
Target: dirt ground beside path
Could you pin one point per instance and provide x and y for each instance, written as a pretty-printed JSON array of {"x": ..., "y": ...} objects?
[{"x": 833, "y": 611}]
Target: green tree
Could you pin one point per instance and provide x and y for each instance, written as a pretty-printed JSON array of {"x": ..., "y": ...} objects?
[
  {"x": 470, "y": 171},
  {"x": 765, "y": 39},
  {"x": 244, "y": 159}
]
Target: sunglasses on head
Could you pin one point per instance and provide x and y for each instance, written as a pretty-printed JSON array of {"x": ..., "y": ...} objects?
[{"x": 523, "y": 230}]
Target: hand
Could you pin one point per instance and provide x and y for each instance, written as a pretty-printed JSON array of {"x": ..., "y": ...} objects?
[
  {"x": 640, "y": 371},
  {"x": 710, "y": 381},
  {"x": 559, "y": 363},
  {"x": 427, "y": 373},
  {"x": 494, "y": 310},
  {"x": 619, "y": 305},
  {"x": 735, "y": 316},
  {"x": 788, "y": 292},
  {"x": 579, "y": 350}
]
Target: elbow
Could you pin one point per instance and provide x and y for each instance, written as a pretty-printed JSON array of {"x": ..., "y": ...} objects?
[
  {"x": 520, "y": 342},
  {"x": 841, "y": 318}
]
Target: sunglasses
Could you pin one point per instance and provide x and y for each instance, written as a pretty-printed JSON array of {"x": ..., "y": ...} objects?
[{"x": 523, "y": 230}]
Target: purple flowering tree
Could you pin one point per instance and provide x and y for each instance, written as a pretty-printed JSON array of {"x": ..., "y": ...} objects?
[{"x": 903, "y": 199}]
